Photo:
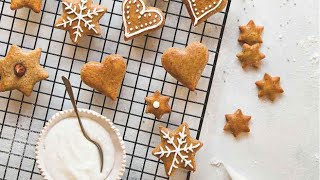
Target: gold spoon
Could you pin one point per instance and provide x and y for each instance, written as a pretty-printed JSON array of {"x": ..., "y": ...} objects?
[{"x": 70, "y": 92}]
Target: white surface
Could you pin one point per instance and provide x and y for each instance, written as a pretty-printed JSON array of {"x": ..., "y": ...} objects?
[{"x": 284, "y": 138}]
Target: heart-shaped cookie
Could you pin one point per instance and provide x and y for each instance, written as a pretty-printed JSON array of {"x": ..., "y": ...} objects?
[
  {"x": 139, "y": 19},
  {"x": 200, "y": 10},
  {"x": 105, "y": 77},
  {"x": 186, "y": 65}
]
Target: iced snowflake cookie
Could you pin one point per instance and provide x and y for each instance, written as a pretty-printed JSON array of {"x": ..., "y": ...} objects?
[
  {"x": 21, "y": 71},
  {"x": 138, "y": 19},
  {"x": 269, "y": 87},
  {"x": 186, "y": 65},
  {"x": 250, "y": 55},
  {"x": 158, "y": 104},
  {"x": 35, "y": 5},
  {"x": 237, "y": 123},
  {"x": 200, "y": 10},
  {"x": 250, "y": 33},
  {"x": 105, "y": 77},
  {"x": 177, "y": 149},
  {"x": 80, "y": 18}
]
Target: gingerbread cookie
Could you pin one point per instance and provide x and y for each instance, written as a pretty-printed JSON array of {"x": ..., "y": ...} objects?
[
  {"x": 158, "y": 104},
  {"x": 186, "y": 65},
  {"x": 138, "y": 19},
  {"x": 200, "y": 10},
  {"x": 177, "y": 149},
  {"x": 105, "y": 77},
  {"x": 269, "y": 87},
  {"x": 35, "y": 5},
  {"x": 80, "y": 18},
  {"x": 237, "y": 123},
  {"x": 21, "y": 71},
  {"x": 250, "y": 34},
  {"x": 250, "y": 55}
]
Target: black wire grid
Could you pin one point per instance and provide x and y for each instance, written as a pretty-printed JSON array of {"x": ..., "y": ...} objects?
[{"x": 22, "y": 118}]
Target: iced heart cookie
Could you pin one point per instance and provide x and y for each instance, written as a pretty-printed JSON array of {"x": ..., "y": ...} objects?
[
  {"x": 186, "y": 65},
  {"x": 138, "y": 19},
  {"x": 105, "y": 77},
  {"x": 200, "y": 10},
  {"x": 80, "y": 18},
  {"x": 35, "y": 5}
]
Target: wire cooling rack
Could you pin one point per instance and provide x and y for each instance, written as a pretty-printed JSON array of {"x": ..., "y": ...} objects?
[{"x": 22, "y": 118}]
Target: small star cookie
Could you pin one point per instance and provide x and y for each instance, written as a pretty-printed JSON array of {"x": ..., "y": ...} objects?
[
  {"x": 250, "y": 34},
  {"x": 158, "y": 104},
  {"x": 177, "y": 149},
  {"x": 21, "y": 71},
  {"x": 250, "y": 55},
  {"x": 237, "y": 123},
  {"x": 80, "y": 18},
  {"x": 35, "y": 5},
  {"x": 269, "y": 87}
]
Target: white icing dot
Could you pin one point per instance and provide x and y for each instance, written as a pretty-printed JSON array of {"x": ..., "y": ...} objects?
[
  {"x": 146, "y": 24},
  {"x": 150, "y": 22},
  {"x": 156, "y": 104},
  {"x": 195, "y": 9},
  {"x": 145, "y": 15},
  {"x": 156, "y": 16},
  {"x": 139, "y": 17},
  {"x": 206, "y": 8},
  {"x": 194, "y": 5},
  {"x": 138, "y": 5},
  {"x": 137, "y": 27},
  {"x": 154, "y": 21},
  {"x": 128, "y": 17},
  {"x": 210, "y": 5},
  {"x": 214, "y": 2},
  {"x": 137, "y": 10},
  {"x": 193, "y": 0},
  {"x": 130, "y": 2},
  {"x": 197, "y": 13},
  {"x": 131, "y": 29},
  {"x": 134, "y": 1},
  {"x": 129, "y": 22},
  {"x": 128, "y": 7},
  {"x": 149, "y": 14},
  {"x": 202, "y": 11},
  {"x": 128, "y": 12},
  {"x": 141, "y": 25}
]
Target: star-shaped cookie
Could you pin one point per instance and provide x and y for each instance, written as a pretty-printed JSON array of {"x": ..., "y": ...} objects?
[
  {"x": 158, "y": 104},
  {"x": 35, "y": 5},
  {"x": 80, "y": 18},
  {"x": 177, "y": 149},
  {"x": 250, "y": 33},
  {"x": 250, "y": 55},
  {"x": 237, "y": 123},
  {"x": 269, "y": 87},
  {"x": 21, "y": 71}
]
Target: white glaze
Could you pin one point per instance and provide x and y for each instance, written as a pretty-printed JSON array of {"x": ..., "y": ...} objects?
[{"x": 156, "y": 104}]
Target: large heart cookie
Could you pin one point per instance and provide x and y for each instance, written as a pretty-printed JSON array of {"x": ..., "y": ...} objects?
[
  {"x": 105, "y": 77},
  {"x": 186, "y": 65},
  {"x": 200, "y": 10},
  {"x": 139, "y": 19}
]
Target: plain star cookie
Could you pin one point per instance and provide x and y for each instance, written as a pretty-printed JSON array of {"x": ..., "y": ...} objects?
[
  {"x": 138, "y": 19},
  {"x": 35, "y": 5},
  {"x": 186, "y": 65},
  {"x": 21, "y": 71},
  {"x": 250, "y": 55},
  {"x": 237, "y": 123},
  {"x": 200, "y": 10},
  {"x": 158, "y": 104},
  {"x": 80, "y": 18},
  {"x": 269, "y": 87},
  {"x": 105, "y": 77},
  {"x": 177, "y": 149},
  {"x": 250, "y": 33}
]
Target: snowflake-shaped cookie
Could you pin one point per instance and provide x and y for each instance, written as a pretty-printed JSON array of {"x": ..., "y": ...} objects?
[
  {"x": 177, "y": 149},
  {"x": 80, "y": 18}
]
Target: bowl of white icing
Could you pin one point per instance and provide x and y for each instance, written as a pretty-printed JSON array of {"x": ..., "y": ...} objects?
[{"x": 63, "y": 153}]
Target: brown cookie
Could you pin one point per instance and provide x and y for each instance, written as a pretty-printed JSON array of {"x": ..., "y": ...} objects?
[
  {"x": 250, "y": 55},
  {"x": 237, "y": 123},
  {"x": 21, "y": 71},
  {"x": 200, "y": 11},
  {"x": 158, "y": 104},
  {"x": 80, "y": 18},
  {"x": 250, "y": 33},
  {"x": 105, "y": 77},
  {"x": 177, "y": 149},
  {"x": 186, "y": 65},
  {"x": 139, "y": 19},
  {"x": 35, "y": 5},
  {"x": 269, "y": 87}
]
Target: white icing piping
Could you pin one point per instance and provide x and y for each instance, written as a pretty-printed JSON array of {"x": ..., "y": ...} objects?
[
  {"x": 128, "y": 34},
  {"x": 196, "y": 19},
  {"x": 156, "y": 104}
]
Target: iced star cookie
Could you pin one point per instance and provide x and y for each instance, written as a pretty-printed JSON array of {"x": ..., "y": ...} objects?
[
  {"x": 237, "y": 123},
  {"x": 35, "y": 5},
  {"x": 80, "y": 18},
  {"x": 139, "y": 19},
  {"x": 105, "y": 77},
  {"x": 200, "y": 10},
  {"x": 158, "y": 104},
  {"x": 250, "y": 33},
  {"x": 250, "y": 55},
  {"x": 177, "y": 149},
  {"x": 186, "y": 65},
  {"x": 269, "y": 87},
  {"x": 21, "y": 71}
]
